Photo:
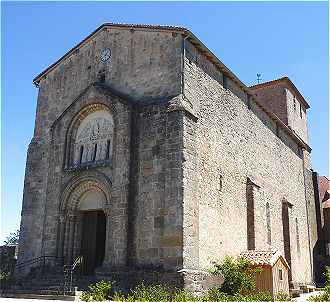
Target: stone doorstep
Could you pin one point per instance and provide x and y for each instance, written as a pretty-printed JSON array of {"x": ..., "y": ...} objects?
[
  {"x": 295, "y": 292},
  {"x": 308, "y": 288}
]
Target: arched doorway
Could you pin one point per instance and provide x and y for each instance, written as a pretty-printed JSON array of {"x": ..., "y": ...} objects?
[
  {"x": 84, "y": 221},
  {"x": 93, "y": 230}
]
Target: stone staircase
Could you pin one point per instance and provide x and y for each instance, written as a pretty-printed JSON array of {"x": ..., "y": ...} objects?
[{"x": 48, "y": 286}]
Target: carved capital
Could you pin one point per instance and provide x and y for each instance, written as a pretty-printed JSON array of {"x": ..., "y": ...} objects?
[
  {"x": 107, "y": 211},
  {"x": 61, "y": 217},
  {"x": 71, "y": 216}
]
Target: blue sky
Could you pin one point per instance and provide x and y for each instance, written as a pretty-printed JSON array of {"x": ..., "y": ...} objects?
[{"x": 271, "y": 38}]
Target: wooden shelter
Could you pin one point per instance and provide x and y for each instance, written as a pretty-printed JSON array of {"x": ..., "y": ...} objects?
[{"x": 274, "y": 277}]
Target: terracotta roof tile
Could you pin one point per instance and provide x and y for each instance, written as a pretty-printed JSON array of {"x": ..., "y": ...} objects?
[
  {"x": 326, "y": 204},
  {"x": 268, "y": 258}
]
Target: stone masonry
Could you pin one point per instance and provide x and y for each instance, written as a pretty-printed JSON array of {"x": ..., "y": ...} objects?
[{"x": 145, "y": 124}]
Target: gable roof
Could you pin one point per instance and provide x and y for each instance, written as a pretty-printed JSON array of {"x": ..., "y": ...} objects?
[
  {"x": 200, "y": 46},
  {"x": 286, "y": 81},
  {"x": 178, "y": 29},
  {"x": 263, "y": 258}
]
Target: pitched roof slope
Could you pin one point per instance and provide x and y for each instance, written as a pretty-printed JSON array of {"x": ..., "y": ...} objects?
[{"x": 264, "y": 258}]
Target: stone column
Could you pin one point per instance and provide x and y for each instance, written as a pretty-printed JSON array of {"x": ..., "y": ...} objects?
[
  {"x": 61, "y": 234},
  {"x": 74, "y": 237},
  {"x": 70, "y": 237},
  {"x": 108, "y": 253},
  {"x": 65, "y": 239},
  {"x": 77, "y": 235}
]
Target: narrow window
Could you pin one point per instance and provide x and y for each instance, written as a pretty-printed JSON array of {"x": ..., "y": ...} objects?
[
  {"x": 251, "y": 240},
  {"x": 220, "y": 183},
  {"x": 269, "y": 231},
  {"x": 300, "y": 111},
  {"x": 107, "y": 155},
  {"x": 81, "y": 154},
  {"x": 294, "y": 104},
  {"x": 280, "y": 274},
  {"x": 95, "y": 151},
  {"x": 297, "y": 236},
  {"x": 286, "y": 232}
]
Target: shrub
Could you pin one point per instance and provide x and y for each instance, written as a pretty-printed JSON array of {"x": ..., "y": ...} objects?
[
  {"x": 182, "y": 295},
  {"x": 325, "y": 296},
  {"x": 85, "y": 296},
  {"x": 283, "y": 297},
  {"x": 159, "y": 293},
  {"x": 215, "y": 295},
  {"x": 99, "y": 291},
  {"x": 4, "y": 275},
  {"x": 151, "y": 293},
  {"x": 239, "y": 275}
]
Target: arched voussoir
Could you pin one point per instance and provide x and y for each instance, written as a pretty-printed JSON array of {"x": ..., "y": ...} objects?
[{"x": 79, "y": 185}]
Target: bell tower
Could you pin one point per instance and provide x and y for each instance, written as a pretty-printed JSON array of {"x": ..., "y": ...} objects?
[{"x": 283, "y": 99}]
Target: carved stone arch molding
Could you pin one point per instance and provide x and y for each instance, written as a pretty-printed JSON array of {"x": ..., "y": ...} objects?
[
  {"x": 79, "y": 185},
  {"x": 70, "y": 216},
  {"x": 94, "y": 122}
]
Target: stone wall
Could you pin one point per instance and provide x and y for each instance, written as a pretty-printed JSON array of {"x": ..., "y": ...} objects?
[
  {"x": 233, "y": 145},
  {"x": 157, "y": 208},
  {"x": 177, "y": 180},
  {"x": 144, "y": 67},
  {"x": 274, "y": 99},
  {"x": 279, "y": 99},
  {"x": 297, "y": 117}
]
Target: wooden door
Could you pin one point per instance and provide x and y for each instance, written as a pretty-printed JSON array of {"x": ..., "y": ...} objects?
[
  {"x": 92, "y": 240},
  {"x": 88, "y": 241}
]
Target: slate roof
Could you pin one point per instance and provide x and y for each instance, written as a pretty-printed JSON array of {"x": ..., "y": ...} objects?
[{"x": 263, "y": 258}]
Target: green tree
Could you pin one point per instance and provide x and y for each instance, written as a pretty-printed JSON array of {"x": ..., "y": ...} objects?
[
  {"x": 12, "y": 239},
  {"x": 239, "y": 275}
]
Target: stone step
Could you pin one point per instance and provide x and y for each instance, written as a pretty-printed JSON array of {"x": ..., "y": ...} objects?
[{"x": 40, "y": 296}]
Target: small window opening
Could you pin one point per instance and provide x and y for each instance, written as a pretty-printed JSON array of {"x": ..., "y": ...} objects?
[
  {"x": 300, "y": 111},
  {"x": 107, "y": 155},
  {"x": 297, "y": 237},
  {"x": 81, "y": 154},
  {"x": 95, "y": 151},
  {"x": 294, "y": 104},
  {"x": 269, "y": 230},
  {"x": 220, "y": 183},
  {"x": 280, "y": 274}
]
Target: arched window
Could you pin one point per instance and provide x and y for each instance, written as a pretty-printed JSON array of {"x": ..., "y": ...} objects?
[{"x": 93, "y": 137}]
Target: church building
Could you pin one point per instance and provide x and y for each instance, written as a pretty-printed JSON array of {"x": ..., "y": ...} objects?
[{"x": 150, "y": 155}]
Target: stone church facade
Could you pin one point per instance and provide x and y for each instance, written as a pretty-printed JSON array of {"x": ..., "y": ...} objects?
[{"x": 149, "y": 154}]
